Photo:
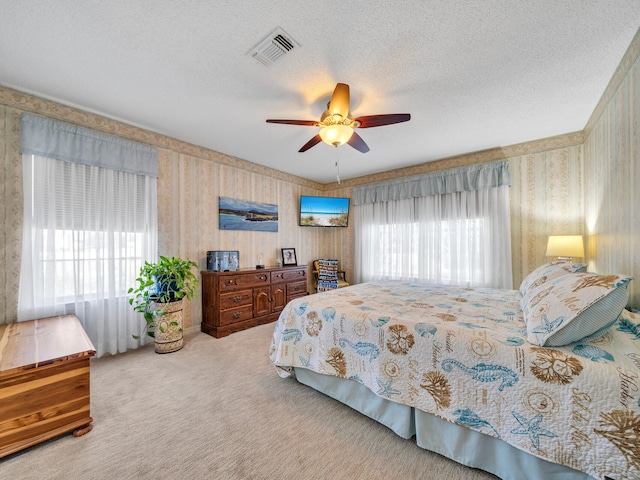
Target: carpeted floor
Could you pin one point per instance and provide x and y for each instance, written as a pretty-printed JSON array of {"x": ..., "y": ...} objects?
[{"x": 217, "y": 410}]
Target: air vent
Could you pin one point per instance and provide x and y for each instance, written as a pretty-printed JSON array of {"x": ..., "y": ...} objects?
[{"x": 273, "y": 47}]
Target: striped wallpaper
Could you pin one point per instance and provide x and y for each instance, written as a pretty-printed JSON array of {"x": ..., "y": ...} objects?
[{"x": 612, "y": 176}]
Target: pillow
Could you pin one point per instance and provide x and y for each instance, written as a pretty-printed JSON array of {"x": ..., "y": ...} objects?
[
  {"x": 327, "y": 275},
  {"x": 548, "y": 272},
  {"x": 582, "y": 306},
  {"x": 327, "y": 269}
]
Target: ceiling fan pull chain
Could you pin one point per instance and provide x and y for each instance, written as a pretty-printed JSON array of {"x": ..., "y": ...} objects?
[{"x": 337, "y": 165}]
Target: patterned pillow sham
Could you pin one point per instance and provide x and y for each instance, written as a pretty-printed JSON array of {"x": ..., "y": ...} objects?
[
  {"x": 582, "y": 306},
  {"x": 548, "y": 272}
]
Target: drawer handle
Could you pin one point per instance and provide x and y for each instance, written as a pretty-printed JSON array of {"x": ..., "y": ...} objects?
[
  {"x": 263, "y": 277},
  {"x": 237, "y": 315},
  {"x": 230, "y": 281},
  {"x": 237, "y": 299},
  {"x": 297, "y": 288},
  {"x": 300, "y": 272}
]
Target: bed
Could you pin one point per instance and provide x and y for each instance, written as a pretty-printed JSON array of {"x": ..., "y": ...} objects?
[{"x": 483, "y": 376}]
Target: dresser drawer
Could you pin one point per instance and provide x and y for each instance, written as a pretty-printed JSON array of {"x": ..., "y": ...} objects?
[
  {"x": 227, "y": 317},
  {"x": 236, "y": 299},
  {"x": 277, "y": 277},
  {"x": 289, "y": 275},
  {"x": 296, "y": 288},
  {"x": 293, "y": 297},
  {"x": 233, "y": 282}
]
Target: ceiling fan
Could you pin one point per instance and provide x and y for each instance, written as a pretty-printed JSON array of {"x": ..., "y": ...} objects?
[{"x": 337, "y": 127}]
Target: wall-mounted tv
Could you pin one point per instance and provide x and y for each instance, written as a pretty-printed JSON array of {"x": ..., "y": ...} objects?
[{"x": 324, "y": 211}]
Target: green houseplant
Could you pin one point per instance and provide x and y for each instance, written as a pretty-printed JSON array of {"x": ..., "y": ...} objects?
[{"x": 158, "y": 294}]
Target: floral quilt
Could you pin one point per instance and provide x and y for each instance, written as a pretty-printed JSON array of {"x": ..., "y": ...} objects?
[{"x": 462, "y": 354}]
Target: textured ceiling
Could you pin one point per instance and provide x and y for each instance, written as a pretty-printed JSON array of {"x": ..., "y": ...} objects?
[{"x": 473, "y": 74}]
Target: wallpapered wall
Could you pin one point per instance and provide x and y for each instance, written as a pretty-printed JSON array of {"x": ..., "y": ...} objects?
[
  {"x": 188, "y": 191},
  {"x": 10, "y": 213},
  {"x": 549, "y": 177},
  {"x": 612, "y": 175},
  {"x": 546, "y": 199}
]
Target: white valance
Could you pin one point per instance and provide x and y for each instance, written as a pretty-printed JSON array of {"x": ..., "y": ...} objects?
[
  {"x": 477, "y": 177},
  {"x": 63, "y": 141}
]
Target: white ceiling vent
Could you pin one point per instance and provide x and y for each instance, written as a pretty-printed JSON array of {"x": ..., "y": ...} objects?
[{"x": 273, "y": 47}]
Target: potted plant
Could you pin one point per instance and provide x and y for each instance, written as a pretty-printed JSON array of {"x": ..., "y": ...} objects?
[{"x": 158, "y": 295}]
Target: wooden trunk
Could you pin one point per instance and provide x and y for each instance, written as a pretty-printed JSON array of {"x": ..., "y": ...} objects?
[{"x": 44, "y": 381}]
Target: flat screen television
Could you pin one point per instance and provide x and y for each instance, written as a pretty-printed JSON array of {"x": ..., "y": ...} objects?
[{"x": 324, "y": 211}]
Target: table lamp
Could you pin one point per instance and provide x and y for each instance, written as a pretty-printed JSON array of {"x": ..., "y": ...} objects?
[{"x": 565, "y": 247}]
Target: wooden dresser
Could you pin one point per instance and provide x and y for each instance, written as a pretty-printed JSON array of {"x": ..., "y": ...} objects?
[
  {"x": 44, "y": 381},
  {"x": 233, "y": 301}
]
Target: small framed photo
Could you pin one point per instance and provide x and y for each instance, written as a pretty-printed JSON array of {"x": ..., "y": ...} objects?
[{"x": 289, "y": 257}]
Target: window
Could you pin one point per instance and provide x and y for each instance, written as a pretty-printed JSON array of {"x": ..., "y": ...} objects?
[
  {"x": 91, "y": 221},
  {"x": 87, "y": 231},
  {"x": 405, "y": 263},
  {"x": 406, "y": 232}
]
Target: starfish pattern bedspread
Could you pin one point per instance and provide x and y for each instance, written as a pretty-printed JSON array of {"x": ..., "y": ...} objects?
[{"x": 461, "y": 354}]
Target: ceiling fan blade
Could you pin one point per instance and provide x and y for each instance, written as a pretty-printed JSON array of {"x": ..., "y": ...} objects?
[
  {"x": 357, "y": 142},
  {"x": 339, "y": 103},
  {"x": 369, "y": 121},
  {"x": 310, "y": 123},
  {"x": 311, "y": 143}
]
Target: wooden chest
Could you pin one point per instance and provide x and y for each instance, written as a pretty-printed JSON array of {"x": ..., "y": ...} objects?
[
  {"x": 233, "y": 301},
  {"x": 44, "y": 381}
]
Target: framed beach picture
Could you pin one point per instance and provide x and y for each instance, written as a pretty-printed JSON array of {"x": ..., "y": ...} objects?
[
  {"x": 289, "y": 257},
  {"x": 236, "y": 214}
]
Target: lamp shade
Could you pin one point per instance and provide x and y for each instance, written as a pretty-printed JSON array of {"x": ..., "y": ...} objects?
[
  {"x": 336, "y": 135},
  {"x": 565, "y": 246}
]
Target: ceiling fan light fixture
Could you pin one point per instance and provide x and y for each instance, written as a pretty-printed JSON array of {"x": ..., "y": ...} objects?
[
  {"x": 336, "y": 135},
  {"x": 337, "y": 126}
]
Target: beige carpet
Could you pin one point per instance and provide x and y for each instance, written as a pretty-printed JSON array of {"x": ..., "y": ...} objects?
[{"x": 217, "y": 410}]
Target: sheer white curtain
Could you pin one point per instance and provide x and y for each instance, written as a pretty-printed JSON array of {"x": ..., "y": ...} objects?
[
  {"x": 411, "y": 231},
  {"x": 87, "y": 231}
]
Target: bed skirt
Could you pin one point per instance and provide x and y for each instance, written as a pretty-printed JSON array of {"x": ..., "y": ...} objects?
[{"x": 455, "y": 442}]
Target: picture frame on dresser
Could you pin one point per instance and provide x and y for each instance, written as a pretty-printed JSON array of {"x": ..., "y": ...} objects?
[
  {"x": 289, "y": 257},
  {"x": 223, "y": 260}
]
